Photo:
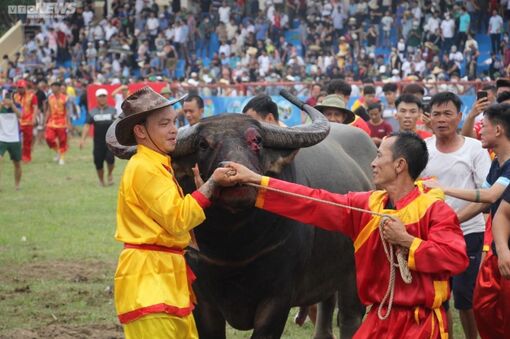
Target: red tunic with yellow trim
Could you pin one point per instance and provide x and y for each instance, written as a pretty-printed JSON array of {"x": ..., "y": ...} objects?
[
  {"x": 57, "y": 111},
  {"x": 437, "y": 252},
  {"x": 361, "y": 124},
  {"x": 27, "y": 102},
  {"x": 154, "y": 219}
]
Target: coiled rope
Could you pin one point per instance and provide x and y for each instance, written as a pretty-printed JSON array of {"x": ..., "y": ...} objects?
[{"x": 390, "y": 250}]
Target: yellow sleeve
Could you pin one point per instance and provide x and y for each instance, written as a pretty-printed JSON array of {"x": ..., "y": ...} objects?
[{"x": 161, "y": 200}]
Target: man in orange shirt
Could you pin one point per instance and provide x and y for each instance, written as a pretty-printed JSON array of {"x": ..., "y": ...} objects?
[
  {"x": 27, "y": 100},
  {"x": 57, "y": 122}
]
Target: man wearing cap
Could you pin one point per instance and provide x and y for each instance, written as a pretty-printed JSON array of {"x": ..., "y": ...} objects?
[
  {"x": 27, "y": 100},
  {"x": 153, "y": 295},
  {"x": 333, "y": 108},
  {"x": 101, "y": 117},
  {"x": 57, "y": 122}
]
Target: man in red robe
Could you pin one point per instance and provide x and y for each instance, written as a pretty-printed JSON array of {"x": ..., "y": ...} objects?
[{"x": 418, "y": 223}]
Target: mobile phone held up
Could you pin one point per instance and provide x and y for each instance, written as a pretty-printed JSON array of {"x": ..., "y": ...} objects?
[{"x": 481, "y": 94}]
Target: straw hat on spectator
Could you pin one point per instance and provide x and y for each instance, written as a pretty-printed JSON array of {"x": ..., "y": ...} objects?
[
  {"x": 437, "y": 70},
  {"x": 334, "y": 101}
]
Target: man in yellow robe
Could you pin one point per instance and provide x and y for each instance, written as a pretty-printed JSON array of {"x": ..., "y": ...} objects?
[{"x": 153, "y": 294}]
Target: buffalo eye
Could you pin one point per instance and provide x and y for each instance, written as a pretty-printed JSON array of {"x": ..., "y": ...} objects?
[{"x": 203, "y": 145}]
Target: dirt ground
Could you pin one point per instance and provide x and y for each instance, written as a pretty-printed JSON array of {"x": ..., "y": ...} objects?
[
  {"x": 76, "y": 275},
  {"x": 67, "y": 332}
]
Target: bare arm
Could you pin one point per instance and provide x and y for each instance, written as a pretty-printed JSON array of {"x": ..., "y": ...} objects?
[
  {"x": 501, "y": 233},
  {"x": 84, "y": 133},
  {"x": 46, "y": 113},
  {"x": 118, "y": 89},
  {"x": 471, "y": 210},
  {"x": 35, "y": 109},
  {"x": 486, "y": 195},
  {"x": 480, "y": 106},
  {"x": 13, "y": 107}
]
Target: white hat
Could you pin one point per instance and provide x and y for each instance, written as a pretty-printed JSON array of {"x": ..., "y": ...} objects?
[
  {"x": 101, "y": 91},
  {"x": 207, "y": 78}
]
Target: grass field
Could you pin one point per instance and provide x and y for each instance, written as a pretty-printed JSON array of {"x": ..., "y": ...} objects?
[{"x": 58, "y": 255}]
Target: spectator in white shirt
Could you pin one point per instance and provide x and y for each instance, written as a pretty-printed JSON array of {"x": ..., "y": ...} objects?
[
  {"x": 387, "y": 23},
  {"x": 456, "y": 55},
  {"x": 264, "y": 63},
  {"x": 447, "y": 31},
  {"x": 338, "y": 17},
  {"x": 432, "y": 23},
  {"x": 419, "y": 64},
  {"x": 110, "y": 30},
  {"x": 225, "y": 48},
  {"x": 88, "y": 15},
  {"x": 495, "y": 29},
  {"x": 224, "y": 13}
]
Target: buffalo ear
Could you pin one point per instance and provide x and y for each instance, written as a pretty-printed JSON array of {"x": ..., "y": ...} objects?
[{"x": 278, "y": 159}]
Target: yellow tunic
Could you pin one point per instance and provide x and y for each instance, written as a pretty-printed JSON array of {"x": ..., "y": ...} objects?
[{"x": 152, "y": 210}]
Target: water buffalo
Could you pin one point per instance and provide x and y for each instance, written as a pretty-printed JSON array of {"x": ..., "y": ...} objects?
[{"x": 253, "y": 266}]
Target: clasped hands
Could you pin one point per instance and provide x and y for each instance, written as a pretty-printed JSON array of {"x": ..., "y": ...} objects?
[{"x": 228, "y": 174}]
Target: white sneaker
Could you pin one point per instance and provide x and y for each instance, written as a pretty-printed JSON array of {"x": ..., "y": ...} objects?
[
  {"x": 56, "y": 158},
  {"x": 61, "y": 161}
]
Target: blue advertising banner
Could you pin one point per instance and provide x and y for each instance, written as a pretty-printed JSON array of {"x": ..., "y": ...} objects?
[{"x": 289, "y": 114}]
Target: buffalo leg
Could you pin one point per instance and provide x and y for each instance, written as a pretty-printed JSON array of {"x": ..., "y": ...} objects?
[
  {"x": 350, "y": 310},
  {"x": 210, "y": 322},
  {"x": 325, "y": 310},
  {"x": 270, "y": 319}
]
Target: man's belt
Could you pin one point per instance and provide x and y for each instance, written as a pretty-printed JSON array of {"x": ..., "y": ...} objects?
[{"x": 153, "y": 247}]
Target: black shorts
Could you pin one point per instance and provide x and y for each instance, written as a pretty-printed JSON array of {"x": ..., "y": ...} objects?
[
  {"x": 13, "y": 148},
  {"x": 101, "y": 154},
  {"x": 464, "y": 283}
]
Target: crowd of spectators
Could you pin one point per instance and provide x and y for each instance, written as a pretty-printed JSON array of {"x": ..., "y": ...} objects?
[{"x": 232, "y": 42}]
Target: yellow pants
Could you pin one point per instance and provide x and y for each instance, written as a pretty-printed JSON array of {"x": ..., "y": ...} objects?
[{"x": 161, "y": 326}]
